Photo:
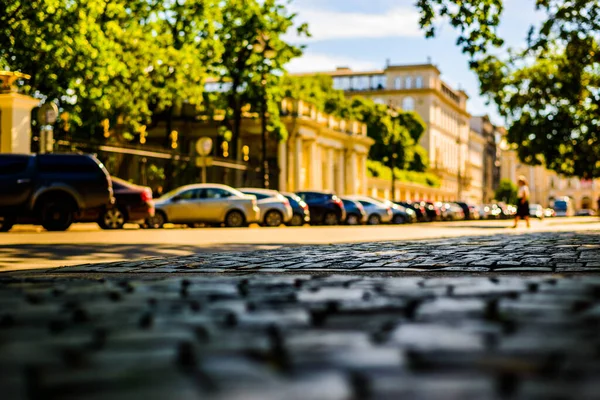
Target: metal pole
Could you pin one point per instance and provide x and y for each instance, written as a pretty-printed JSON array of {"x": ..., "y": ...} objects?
[
  {"x": 458, "y": 178},
  {"x": 204, "y": 169},
  {"x": 265, "y": 163}
]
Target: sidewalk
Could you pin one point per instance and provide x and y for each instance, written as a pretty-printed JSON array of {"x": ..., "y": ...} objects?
[{"x": 501, "y": 317}]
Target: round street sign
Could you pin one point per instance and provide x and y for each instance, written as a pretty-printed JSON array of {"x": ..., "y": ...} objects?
[
  {"x": 204, "y": 146},
  {"x": 47, "y": 113}
]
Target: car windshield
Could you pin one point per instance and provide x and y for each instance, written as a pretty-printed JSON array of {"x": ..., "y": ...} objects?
[{"x": 560, "y": 205}]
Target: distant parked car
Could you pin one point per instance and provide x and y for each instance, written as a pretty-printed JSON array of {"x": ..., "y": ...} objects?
[
  {"x": 301, "y": 213},
  {"x": 453, "y": 212},
  {"x": 205, "y": 203},
  {"x": 536, "y": 211},
  {"x": 433, "y": 213},
  {"x": 53, "y": 190},
  {"x": 325, "y": 208},
  {"x": 585, "y": 212},
  {"x": 491, "y": 211},
  {"x": 400, "y": 214},
  {"x": 377, "y": 212},
  {"x": 133, "y": 204},
  {"x": 549, "y": 213},
  {"x": 563, "y": 207},
  {"x": 474, "y": 212},
  {"x": 418, "y": 210},
  {"x": 355, "y": 212},
  {"x": 275, "y": 209}
]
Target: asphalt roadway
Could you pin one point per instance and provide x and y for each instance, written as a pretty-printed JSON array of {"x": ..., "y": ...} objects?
[{"x": 30, "y": 247}]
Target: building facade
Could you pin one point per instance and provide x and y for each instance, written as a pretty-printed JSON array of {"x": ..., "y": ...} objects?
[
  {"x": 420, "y": 88},
  {"x": 491, "y": 136},
  {"x": 546, "y": 185},
  {"x": 475, "y": 169}
]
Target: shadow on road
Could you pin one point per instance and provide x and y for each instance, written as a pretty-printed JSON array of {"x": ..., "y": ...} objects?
[{"x": 26, "y": 256}]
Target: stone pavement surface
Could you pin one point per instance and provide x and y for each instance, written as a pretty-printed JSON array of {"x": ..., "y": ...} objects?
[
  {"x": 540, "y": 252},
  {"x": 199, "y": 328}
]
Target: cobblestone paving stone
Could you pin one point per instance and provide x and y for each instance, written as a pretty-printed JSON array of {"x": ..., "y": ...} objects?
[
  {"x": 543, "y": 252},
  {"x": 383, "y": 328},
  {"x": 300, "y": 337}
]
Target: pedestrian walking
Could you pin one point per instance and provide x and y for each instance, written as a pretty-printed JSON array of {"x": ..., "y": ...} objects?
[{"x": 523, "y": 202}]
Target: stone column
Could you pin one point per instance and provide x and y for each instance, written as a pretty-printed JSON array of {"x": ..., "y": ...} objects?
[
  {"x": 282, "y": 155},
  {"x": 315, "y": 166},
  {"x": 363, "y": 170},
  {"x": 330, "y": 171},
  {"x": 353, "y": 174},
  {"x": 340, "y": 179},
  {"x": 15, "y": 122},
  {"x": 298, "y": 165}
]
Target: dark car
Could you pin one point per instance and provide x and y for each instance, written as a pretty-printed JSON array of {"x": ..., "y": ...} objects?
[
  {"x": 301, "y": 213},
  {"x": 325, "y": 208},
  {"x": 433, "y": 213},
  {"x": 53, "y": 190},
  {"x": 355, "y": 212},
  {"x": 418, "y": 210},
  {"x": 465, "y": 208},
  {"x": 133, "y": 204}
]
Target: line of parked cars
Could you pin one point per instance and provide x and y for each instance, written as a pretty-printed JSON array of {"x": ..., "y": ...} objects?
[{"x": 55, "y": 190}]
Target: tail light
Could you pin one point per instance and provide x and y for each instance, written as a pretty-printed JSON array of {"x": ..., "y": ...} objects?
[
  {"x": 337, "y": 201},
  {"x": 146, "y": 195},
  {"x": 304, "y": 205}
]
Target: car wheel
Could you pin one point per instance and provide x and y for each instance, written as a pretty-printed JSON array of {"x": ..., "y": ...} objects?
[
  {"x": 113, "y": 218},
  {"x": 352, "y": 219},
  {"x": 331, "y": 219},
  {"x": 57, "y": 215},
  {"x": 398, "y": 219},
  {"x": 374, "y": 219},
  {"x": 6, "y": 223},
  {"x": 297, "y": 220},
  {"x": 157, "y": 221},
  {"x": 235, "y": 219},
  {"x": 273, "y": 218}
]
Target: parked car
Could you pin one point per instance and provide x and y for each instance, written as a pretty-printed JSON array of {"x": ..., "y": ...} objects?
[
  {"x": 474, "y": 212},
  {"x": 536, "y": 211},
  {"x": 549, "y": 213},
  {"x": 205, "y": 203},
  {"x": 355, "y": 212},
  {"x": 491, "y": 211},
  {"x": 585, "y": 212},
  {"x": 325, "y": 208},
  {"x": 453, "y": 212},
  {"x": 275, "y": 209},
  {"x": 53, "y": 190},
  {"x": 419, "y": 210},
  {"x": 301, "y": 213},
  {"x": 133, "y": 204},
  {"x": 433, "y": 213},
  {"x": 377, "y": 212},
  {"x": 563, "y": 207},
  {"x": 401, "y": 214}
]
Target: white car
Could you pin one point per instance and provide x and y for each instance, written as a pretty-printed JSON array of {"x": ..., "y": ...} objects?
[
  {"x": 377, "y": 212},
  {"x": 536, "y": 211},
  {"x": 275, "y": 208},
  {"x": 205, "y": 203}
]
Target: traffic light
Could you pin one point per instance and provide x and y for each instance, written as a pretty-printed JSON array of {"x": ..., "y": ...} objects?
[
  {"x": 174, "y": 136},
  {"x": 143, "y": 134}
]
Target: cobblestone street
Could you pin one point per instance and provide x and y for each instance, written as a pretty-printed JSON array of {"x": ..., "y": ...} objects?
[{"x": 496, "y": 317}]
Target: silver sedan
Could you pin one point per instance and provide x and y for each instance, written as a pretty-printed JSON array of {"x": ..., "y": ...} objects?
[
  {"x": 205, "y": 203},
  {"x": 377, "y": 212},
  {"x": 274, "y": 207}
]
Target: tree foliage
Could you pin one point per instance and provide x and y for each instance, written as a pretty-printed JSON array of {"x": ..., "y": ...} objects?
[
  {"x": 506, "y": 192},
  {"x": 548, "y": 92}
]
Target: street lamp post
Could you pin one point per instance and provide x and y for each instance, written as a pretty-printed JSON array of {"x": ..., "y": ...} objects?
[
  {"x": 263, "y": 47},
  {"x": 458, "y": 180}
]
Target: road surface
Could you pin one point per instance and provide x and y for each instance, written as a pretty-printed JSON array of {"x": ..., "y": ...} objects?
[{"x": 28, "y": 247}]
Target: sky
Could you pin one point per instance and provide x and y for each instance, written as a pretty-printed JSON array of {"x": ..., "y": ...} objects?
[{"x": 364, "y": 34}]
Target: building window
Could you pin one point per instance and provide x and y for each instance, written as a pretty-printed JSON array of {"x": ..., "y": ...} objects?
[
  {"x": 419, "y": 82},
  {"x": 408, "y": 83},
  {"x": 378, "y": 82},
  {"x": 398, "y": 83},
  {"x": 378, "y": 100},
  {"x": 408, "y": 104}
]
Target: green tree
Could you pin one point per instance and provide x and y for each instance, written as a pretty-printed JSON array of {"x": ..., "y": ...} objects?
[
  {"x": 241, "y": 68},
  {"x": 506, "y": 192},
  {"x": 548, "y": 92}
]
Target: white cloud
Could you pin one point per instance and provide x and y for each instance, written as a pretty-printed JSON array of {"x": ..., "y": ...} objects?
[
  {"x": 326, "y": 24},
  {"x": 314, "y": 62}
]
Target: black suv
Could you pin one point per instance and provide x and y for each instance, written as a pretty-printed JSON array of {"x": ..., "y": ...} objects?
[
  {"x": 325, "y": 208},
  {"x": 53, "y": 190}
]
